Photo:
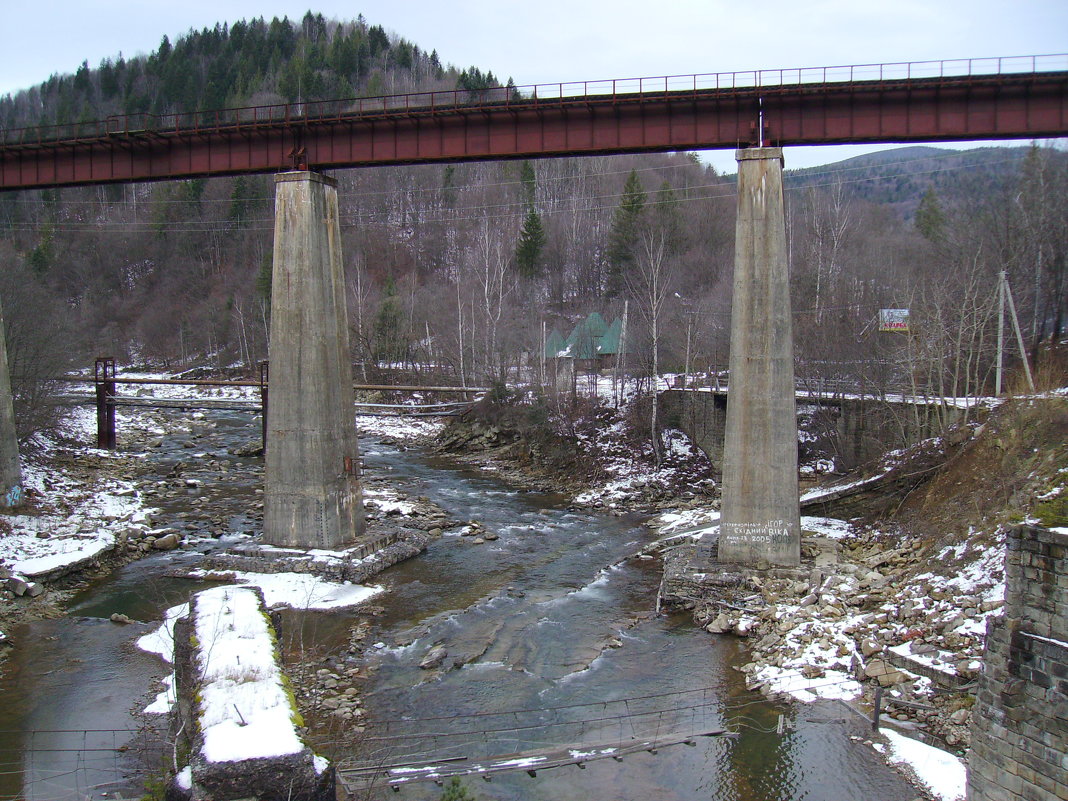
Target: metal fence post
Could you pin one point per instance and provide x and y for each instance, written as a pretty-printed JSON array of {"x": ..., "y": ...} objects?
[
  {"x": 105, "y": 408},
  {"x": 263, "y": 403},
  {"x": 878, "y": 708}
]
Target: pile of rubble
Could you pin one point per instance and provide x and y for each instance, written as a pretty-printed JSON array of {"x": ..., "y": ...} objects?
[{"x": 883, "y": 611}]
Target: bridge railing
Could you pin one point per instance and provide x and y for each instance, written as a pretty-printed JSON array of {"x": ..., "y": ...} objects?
[{"x": 532, "y": 95}]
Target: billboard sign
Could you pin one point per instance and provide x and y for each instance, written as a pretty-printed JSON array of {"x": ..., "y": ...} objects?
[{"x": 894, "y": 320}]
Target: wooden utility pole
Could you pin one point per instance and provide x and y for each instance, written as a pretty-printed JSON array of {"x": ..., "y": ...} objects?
[{"x": 1005, "y": 292}]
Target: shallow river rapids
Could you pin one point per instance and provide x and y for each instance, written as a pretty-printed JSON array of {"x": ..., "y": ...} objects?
[{"x": 549, "y": 641}]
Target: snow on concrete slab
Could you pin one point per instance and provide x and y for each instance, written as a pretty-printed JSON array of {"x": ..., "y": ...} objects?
[
  {"x": 305, "y": 591},
  {"x": 245, "y": 710},
  {"x": 942, "y": 773}
]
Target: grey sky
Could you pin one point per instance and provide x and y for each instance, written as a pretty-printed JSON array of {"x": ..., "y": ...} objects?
[{"x": 566, "y": 40}]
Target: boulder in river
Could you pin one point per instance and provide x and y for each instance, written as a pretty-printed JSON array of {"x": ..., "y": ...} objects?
[
  {"x": 434, "y": 657},
  {"x": 168, "y": 542}
]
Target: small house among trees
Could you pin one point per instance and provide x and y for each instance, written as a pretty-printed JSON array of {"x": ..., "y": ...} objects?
[{"x": 592, "y": 344}]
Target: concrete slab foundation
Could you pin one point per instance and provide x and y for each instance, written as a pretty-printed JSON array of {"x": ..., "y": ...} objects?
[
  {"x": 312, "y": 497},
  {"x": 761, "y": 519}
]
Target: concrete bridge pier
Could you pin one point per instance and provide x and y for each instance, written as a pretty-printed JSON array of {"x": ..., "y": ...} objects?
[
  {"x": 313, "y": 497},
  {"x": 10, "y": 472},
  {"x": 760, "y": 518}
]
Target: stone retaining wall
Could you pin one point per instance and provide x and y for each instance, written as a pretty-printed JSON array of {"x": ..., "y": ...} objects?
[{"x": 1020, "y": 720}]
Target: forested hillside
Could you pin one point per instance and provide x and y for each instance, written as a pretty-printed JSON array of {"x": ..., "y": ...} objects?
[
  {"x": 467, "y": 266},
  {"x": 900, "y": 178}
]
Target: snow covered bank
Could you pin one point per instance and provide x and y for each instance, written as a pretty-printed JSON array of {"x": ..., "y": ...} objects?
[{"x": 941, "y": 773}]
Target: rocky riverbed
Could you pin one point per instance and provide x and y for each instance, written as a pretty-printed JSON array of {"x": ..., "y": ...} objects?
[{"x": 866, "y": 610}]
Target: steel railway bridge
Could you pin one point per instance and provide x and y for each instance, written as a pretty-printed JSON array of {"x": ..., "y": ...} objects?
[{"x": 966, "y": 100}]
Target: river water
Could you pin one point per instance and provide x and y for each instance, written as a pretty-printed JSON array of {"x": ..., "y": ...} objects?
[{"x": 549, "y": 639}]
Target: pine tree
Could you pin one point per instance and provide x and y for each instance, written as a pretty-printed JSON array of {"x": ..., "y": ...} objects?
[
  {"x": 455, "y": 791},
  {"x": 528, "y": 179},
  {"x": 930, "y": 219},
  {"x": 531, "y": 243},
  {"x": 623, "y": 238},
  {"x": 389, "y": 343}
]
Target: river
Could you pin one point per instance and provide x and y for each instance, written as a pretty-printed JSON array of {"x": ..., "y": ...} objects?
[{"x": 549, "y": 638}]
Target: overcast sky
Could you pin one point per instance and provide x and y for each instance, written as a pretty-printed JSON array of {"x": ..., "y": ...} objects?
[{"x": 544, "y": 41}]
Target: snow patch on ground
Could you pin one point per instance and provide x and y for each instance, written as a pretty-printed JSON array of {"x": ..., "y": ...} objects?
[
  {"x": 71, "y": 521},
  {"x": 303, "y": 590},
  {"x": 634, "y": 475},
  {"x": 940, "y": 772},
  {"x": 399, "y": 427},
  {"x": 829, "y": 527},
  {"x": 387, "y": 501},
  {"x": 161, "y": 641}
]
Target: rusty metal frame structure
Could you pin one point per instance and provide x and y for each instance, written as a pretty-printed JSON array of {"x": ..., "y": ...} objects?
[{"x": 975, "y": 99}]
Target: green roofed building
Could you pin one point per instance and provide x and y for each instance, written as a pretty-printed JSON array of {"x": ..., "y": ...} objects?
[
  {"x": 610, "y": 342},
  {"x": 593, "y": 344},
  {"x": 554, "y": 345}
]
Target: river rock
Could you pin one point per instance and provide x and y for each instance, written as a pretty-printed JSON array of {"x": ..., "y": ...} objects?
[
  {"x": 960, "y": 717},
  {"x": 168, "y": 542},
  {"x": 118, "y": 617},
  {"x": 249, "y": 449},
  {"x": 17, "y": 585},
  {"x": 869, "y": 646},
  {"x": 434, "y": 657},
  {"x": 721, "y": 625},
  {"x": 883, "y": 673}
]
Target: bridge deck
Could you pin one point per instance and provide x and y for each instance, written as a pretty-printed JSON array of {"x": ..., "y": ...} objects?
[{"x": 1024, "y": 98}]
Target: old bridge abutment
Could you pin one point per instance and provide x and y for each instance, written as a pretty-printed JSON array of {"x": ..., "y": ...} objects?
[
  {"x": 856, "y": 430},
  {"x": 1020, "y": 719}
]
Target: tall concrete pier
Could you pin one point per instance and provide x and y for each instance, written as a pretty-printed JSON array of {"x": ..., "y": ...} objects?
[
  {"x": 10, "y": 472},
  {"x": 760, "y": 518},
  {"x": 312, "y": 497}
]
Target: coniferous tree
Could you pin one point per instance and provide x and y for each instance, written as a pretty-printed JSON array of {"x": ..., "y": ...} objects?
[
  {"x": 528, "y": 179},
  {"x": 623, "y": 237},
  {"x": 930, "y": 219},
  {"x": 528, "y": 255}
]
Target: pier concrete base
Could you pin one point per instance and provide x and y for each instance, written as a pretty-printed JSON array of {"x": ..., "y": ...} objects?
[
  {"x": 760, "y": 519},
  {"x": 312, "y": 497},
  {"x": 10, "y": 472}
]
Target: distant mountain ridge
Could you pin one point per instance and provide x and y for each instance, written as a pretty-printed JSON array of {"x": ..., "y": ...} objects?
[{"x": 899, "y": 178}]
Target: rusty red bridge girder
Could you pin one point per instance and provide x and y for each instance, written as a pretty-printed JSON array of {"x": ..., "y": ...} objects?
[{"x": 1017, "y": 98}]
